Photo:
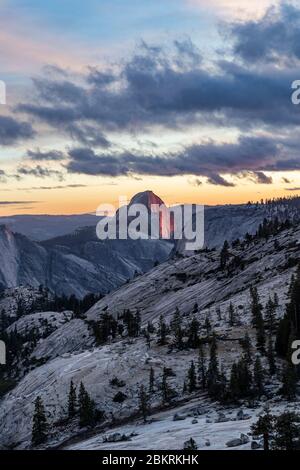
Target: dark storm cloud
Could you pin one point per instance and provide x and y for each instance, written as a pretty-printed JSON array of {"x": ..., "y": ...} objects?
[
  {"x": 39, "y": 172},
  {"x": 100, "y": 78},
  {"x": 253, "y": 153},
  {"x": 262, "y": 178},
  {"x": 88, "y": 135},
  {"x": 271, "y": 38},
  {"x": 167, "y": 89},
  {"x": 38, "y": 155},
  {"x": 160, "y": 88},
  {"x": 13, "y": 131},
  {"x": 218, "y": 180}
]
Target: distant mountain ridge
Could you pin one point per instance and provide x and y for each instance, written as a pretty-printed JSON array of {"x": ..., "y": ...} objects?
[{"x": 79, "y": 263}]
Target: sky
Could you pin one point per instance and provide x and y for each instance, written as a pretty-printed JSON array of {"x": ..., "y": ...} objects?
[{"x": 188, "y": 98}]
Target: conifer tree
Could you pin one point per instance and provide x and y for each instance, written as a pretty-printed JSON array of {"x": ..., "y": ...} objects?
[
  {"x": 247, "y": 350},
  {"x": 224, "y": 256},
  {"x": 231, "y": 315},
  {"x": 270, "y": 315},
  {"x": 193, "y": 334},
  {"x": 287, "y": 432},
  {"x": 271, "y": 355},
  {"x": 39, "y": 425},
  {"x": 86, "y": 408},
  {"x": 234, "y": 386},
  {"x": 162, "y": 331},
  {"x": 207, "y": 326},
  {"x": 190, "y": 445},
  {"x": 143, "y": 403},
  {"x": 276, "y": 300},
  {"x": 260, "y": 333},
  {"x": 137, "y": 323},
  {"x": 151, "y": 380},
  {"x": 258, "y": 375},
  {"x": 192, "y": 380},
  {"x": 165, "y": 386},
  {"x": 256, "y": 307},
  {"x": 176, "y": 329},
  {"x": 219, "y": 314},
  {"x": 264, "y": 427},
  {"x": 72, "y": 401},
  {"x": 201, "y": 368},
  {"x": 289, "y": 381},
  {"x": 213, "y": 369}
]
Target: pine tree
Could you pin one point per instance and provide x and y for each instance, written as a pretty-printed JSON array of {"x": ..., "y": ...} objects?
[
  {"x": 143, "y": 403},
  {"x": 271, "y": 355},
  {"x": 240, "y": 380},
  {"x": 165, "y": 386},
  {"x": 231, "y": 315},
  {"x": 289, "y": 325},
  {"x": 162, "y": 332},
  {"x": 151, "y": 380},
  {"x": 190, "y": 445},
  {"x": 201, "y": 368},
  {"x": 260, "y": 333},
  {"x": 247, "y": 350},
  {"x": 258, "y": 374},
  {"x": 137, "y": 323},
  {"x": 176, "y": 329},
  {"x": 289, "y": 382},
  {"x": 219, "y": 314},
  {"x": 193, "y": 334},
  {"x": 86, "y": 408},
  {"x": 224, "y": 256},
  {"x": 270, "y": 315},
  {"x": 256, "y": 307},
  {"x": 39, "y": 425},
  {"x": 234, "y": 387},
  {"x": 287, "y": 431},
  {"x": 207, "y": 326},
  {"x": 72, "y": 401},
  {"x": 213, "y": 369},
  {"x": 264, "y": 427},
  {"x": 192, "y": 380}
]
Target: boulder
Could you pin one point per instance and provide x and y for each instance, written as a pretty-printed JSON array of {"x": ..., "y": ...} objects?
[
  {"x": 234, "y": 442},
  {"x": 244, "y": 438},
  {"x": 255, "y": 445},
  {"x": 177, "y": 417}
]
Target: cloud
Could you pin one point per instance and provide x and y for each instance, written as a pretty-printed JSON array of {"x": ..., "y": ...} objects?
[
  {"x": 46, "y": 188},
  {"x": 38, "y": 155},
  {"x": 259, "y": 177},
  {"x": 39, "y": 172},
  {"x": 165, "y": 88},
  {"x": 12, "y": 131},
  {"x": 160, "y": 88},
  {"x": 234, "y": 8},
  {"x": 218, "y": 180},
  {"x": 251, "y": 154},
  {"x": 270, "y": 38},
  {"x": 14, "y": 203}
]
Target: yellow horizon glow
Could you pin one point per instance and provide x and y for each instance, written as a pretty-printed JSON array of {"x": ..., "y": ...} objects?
[{"x": 172, "y": 190}]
